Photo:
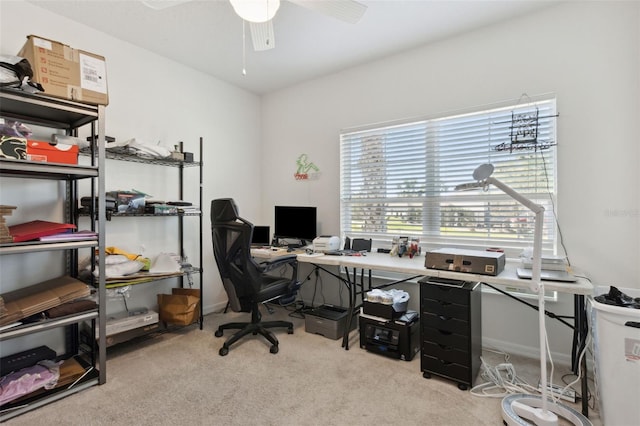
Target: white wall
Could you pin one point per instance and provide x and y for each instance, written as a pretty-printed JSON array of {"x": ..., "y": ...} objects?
[
  {"x": 152, "y": 99},
  {"x": 587, "y": 53}
]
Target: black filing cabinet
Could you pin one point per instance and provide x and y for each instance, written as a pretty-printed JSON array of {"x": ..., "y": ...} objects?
[{"x": 451, "y": 329}]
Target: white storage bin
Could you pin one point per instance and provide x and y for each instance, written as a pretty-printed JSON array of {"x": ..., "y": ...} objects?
[{"x": 616, "y": 336}]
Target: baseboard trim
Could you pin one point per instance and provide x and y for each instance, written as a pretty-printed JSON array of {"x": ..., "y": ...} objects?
[
  {"x": 526, "y": 351},
  {"x": 212, "y": 309}
]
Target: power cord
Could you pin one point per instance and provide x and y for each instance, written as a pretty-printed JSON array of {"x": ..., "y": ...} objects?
[
  {"x": 553, "y": 210},
  {"x": 502, "y": 380},
  {"x": 315, "y": 289}
]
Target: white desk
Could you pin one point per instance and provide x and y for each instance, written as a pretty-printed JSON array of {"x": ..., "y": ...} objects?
[{"x": 415, "y": 268}]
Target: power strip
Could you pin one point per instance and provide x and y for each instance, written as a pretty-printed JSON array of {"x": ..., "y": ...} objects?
[{"x": 568, "y": 395}]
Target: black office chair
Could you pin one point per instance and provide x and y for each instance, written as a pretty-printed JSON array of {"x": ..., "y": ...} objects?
[{"x": 248, "y": 283}]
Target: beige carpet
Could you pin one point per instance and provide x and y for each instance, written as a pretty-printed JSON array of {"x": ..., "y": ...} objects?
[{"x": 179, "y": 379}]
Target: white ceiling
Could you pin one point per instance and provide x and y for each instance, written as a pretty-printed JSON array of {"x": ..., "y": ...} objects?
[{"x": 207, "y": 34}]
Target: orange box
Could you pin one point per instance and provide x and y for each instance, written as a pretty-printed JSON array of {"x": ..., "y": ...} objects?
[{"x": 52, "y": 153}]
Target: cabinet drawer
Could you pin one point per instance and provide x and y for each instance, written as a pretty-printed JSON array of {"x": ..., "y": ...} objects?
[
  {"x": 447, "y": 309},
  {"x": 445, "y": 368},
  {"x": 445, "y": 323},
  {"x": 445, "y": 353},
  {"x": 445, "y": 338},
  {"x": 445, "y": 293}
]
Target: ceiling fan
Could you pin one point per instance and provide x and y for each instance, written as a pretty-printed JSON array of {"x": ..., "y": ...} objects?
[{"x": 259, "y": 14}]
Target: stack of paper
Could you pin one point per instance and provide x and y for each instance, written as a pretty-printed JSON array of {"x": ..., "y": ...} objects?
[
  {"x": 71, "y": 236},
  {"x": 5, "y": 235},
  {"x": 37, "y": 298}
]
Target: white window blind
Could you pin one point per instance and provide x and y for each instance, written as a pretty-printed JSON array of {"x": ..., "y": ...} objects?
[{"x": 398, "y": 180}]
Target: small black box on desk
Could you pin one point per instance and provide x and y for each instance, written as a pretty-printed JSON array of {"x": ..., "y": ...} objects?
[{"x": 381, "y": 310}]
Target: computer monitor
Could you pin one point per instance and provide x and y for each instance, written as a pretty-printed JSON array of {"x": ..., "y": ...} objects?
[
  {"x": 295, "y": 222},
  {"x": 260, "y": 236}
]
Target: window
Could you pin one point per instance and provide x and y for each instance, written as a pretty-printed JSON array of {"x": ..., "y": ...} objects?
[{"x": 399, "y": 179}]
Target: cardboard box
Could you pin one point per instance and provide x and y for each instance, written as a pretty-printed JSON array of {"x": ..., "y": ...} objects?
[
  {"x": 123, "y": 321},
  {"x": 65, "y": 72},
  {"x": 36, "y": 298},
  {"x": 52, "y": 153},
  {"x": 181, "y": 307}
]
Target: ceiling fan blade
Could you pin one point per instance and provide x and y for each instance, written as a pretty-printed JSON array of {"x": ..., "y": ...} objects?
[
  {"x": 349, "y": 11},
  {"x": 162, "y": 4},
  {"x": 262, "y": 35}
]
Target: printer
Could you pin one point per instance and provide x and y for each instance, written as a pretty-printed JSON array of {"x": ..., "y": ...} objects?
[{"x": 325, "y": 243}]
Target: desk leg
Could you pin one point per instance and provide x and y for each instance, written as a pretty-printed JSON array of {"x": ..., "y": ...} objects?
[
  {"x": 352, "y": 304},
  {"x": 353, "y": 300},
  {"x": 580, "y": 339}
]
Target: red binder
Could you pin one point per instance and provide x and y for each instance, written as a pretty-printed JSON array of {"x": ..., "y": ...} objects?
[{"x": 36, "y": 229}]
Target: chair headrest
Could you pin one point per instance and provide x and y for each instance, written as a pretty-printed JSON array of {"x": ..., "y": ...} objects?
[{"x": 223, "y": 210}]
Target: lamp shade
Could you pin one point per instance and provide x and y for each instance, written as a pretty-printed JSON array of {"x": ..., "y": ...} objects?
[{"x": 256, "y": 10}]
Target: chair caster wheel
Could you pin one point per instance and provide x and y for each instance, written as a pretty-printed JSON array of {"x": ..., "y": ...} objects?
[
  {"x": 218, "y": 333},
  {"x": 274, "y": 349},
  {"x": 462, "y": 386},
  {"x": 290, "y": 331},
  {"x": 223, "y": 351}
]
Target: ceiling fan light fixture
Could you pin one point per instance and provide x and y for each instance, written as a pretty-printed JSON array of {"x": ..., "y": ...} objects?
[{"x": 256, "y": 10}]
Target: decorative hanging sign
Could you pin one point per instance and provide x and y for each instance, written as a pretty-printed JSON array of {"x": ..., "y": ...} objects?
[
  {"x": 524, "y": 133},
  {"x": 306, "y": 169}
]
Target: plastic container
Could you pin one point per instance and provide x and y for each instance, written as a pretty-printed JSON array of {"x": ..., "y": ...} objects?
[{"x": 616, "y": 336}]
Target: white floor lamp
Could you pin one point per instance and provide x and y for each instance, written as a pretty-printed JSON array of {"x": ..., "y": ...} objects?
[{"x": 518, "y": 407}]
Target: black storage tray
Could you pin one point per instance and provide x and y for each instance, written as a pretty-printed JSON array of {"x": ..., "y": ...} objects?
[
  {"x": 447, "y": 324},
  {"x": 333, "y": 313},
  {"x": 446, "y": 294},
  {"x": 446, "y": 352},
  {"x": 445, "y": 368},
  {"x": 446, "y": 309}
]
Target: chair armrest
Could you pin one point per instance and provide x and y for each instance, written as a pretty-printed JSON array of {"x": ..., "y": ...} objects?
[{"x": 276, "y": 262}]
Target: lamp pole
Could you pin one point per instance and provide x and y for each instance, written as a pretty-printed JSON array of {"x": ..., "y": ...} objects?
[
  {"x": 520, "y": 405},
  {"x": 536, "y": 286}
]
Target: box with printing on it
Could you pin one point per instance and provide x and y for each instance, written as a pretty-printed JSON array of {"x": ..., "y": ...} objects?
[
  {"x": 52, "y": 153},
  {"x": 65, "y": 72},
  {"x": 13, "y": 147}
]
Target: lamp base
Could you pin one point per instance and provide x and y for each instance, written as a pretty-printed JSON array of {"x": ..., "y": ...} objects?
[{"x": 518, "y": 408}]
